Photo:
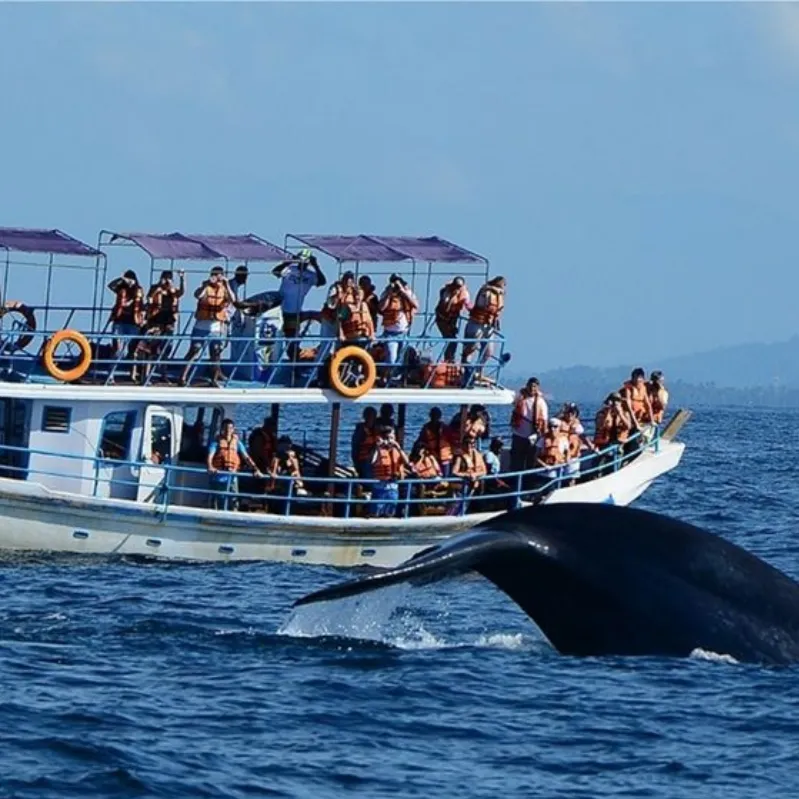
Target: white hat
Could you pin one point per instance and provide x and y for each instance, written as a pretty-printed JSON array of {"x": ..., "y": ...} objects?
[{"x": 554, "y": 422}]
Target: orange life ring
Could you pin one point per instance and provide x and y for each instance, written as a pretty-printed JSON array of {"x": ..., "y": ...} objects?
[
  {"x": 77, "y": 371},
  {"x": 15, "y": 306},
  {"x": 367, "y": 365}
]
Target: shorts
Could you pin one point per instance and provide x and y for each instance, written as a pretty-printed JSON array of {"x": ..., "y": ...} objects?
[
  {"x": 208, "y": 329},
  {"x": 125, "y": 329}
]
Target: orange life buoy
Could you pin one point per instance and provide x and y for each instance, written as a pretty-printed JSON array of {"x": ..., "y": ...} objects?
[
  {"x": 367, "y": 366},
  {"x": 15, "y": 306},
  {"x": 77, "y": 371}
]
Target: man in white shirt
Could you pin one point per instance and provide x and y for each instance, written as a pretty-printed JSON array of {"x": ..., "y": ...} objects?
[
  {"x": 297, "y": 277},
  {"x": 528, "y": 421}
]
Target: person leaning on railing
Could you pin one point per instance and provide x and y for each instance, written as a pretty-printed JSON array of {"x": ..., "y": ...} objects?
[
  {"x": 552, "y": 450},
  {"x": 225, "y": 456},
  {"x": 469, "y": 465}
]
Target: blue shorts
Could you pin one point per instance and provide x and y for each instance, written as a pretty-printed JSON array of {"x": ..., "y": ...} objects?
[{"x": 125, "y": 329}]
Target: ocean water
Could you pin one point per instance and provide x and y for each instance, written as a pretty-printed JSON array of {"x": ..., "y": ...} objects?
[{"x": 132, "y": 679}]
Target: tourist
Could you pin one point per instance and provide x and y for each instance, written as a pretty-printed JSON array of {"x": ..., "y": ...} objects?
[
  {"x": 262, "y": 444},
  {"x": 225, "y": 456},
  {"x": 658, "y": 396},
  {"x": 389, "y": 465},
  {"x": 552, "y": 450},
  {"x": 437, "y": 439},
  {"x": 528, "y": 422},
  {"x": 397, "y": 307},
  {"x": 484, "y": 320},
  {"x": 452, "y": 300},
  {"x": 364, "y": 438},
  {"x": 127, "y": 314}
]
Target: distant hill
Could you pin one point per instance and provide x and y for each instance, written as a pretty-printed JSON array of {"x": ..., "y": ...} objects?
[{"x": 746, "y": 374}]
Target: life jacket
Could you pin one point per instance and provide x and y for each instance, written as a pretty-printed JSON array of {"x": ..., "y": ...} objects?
[
  {"x": 397, "y": 304},
  {"x": 575, "y": 442},
  {"x": 451, "y": 304},
  {"x": 474, "y": 428},
  {"x": 122, "y": 311},
  {"x": 427, "y": 467},
  {"x": 488, "y": 305},
  {"x": 213, "y": 303},
  {"x": 611, "y": 427},
  {"x": 518, "y": 414},
  {"x": 162, "y": 306},
  {"x": 367, "y": 444},
  {"x": 658, "y": 398},
  {"x": 475, "y": 464},
  {"x": 227, "y": 458},
  {"x": 552, "y": 450},
  {"x": 437, "y": 441},
  {"x": 357, "y": 322},
  {"x": 637, "y": 395},
  {"x": 388, "y": 465}
]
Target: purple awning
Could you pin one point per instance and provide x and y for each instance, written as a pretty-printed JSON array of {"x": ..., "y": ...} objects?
[
  {"x": 199, "y": 247},
  {"x": 430, "y": 249},
  {"x": 43, "y": 241}
]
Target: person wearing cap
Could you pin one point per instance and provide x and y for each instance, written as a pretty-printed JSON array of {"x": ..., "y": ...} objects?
[
  {"x": 297, "y": 277},
  {"x": 214, "y": 297},
  {"x": 658, "y": 396},
  {"x": 127, "y": 314},
  {"x": 528, "y": 422},
  {"x": 552, "y": 450}
]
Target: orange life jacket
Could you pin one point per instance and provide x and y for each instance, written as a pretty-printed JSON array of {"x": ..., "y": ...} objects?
[
  {"x": 162, "y": 305},
  {"x": 575, "y": 441},
  {"x": 450, "y": 305},
  {"x": 397, "y": 304},
  {"x": 437, "y": 441},
  {"x": 367, "y": 444},
  {"x": 227, "y": 458},
  {"x": 658, "y": 398},
  {"x": 427, "y": 467},
  {"x": 610, "y": 427},
  {"x": 637, "y": 395},
  {"x": 388, "y": 465},
  {"x": 122, "y": 311},
  {"x": 358, "y": 321},
  {"x": 488, "y": 305},
  {"x": 552, "y": 450},
  {"x": 475, "y": 464},
  {"x": 213, "y": 303}
]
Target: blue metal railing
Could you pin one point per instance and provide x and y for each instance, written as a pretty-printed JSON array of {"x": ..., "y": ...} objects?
[
  {"x": 328, "y": 492},
  {"x": 265, "y": 358}
]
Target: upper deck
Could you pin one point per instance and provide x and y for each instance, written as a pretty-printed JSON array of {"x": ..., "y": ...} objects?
[{"x": 53, "y": 283}]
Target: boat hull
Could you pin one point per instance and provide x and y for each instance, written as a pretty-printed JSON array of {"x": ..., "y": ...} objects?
[{"x": 37, "y": 519}]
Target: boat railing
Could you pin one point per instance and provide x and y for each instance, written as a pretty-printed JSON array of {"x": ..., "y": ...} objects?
[
  {"x": 328, "y": 495},
  {"x": 262, "y": 356}
]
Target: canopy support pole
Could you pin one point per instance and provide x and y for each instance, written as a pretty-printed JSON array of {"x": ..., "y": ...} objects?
[{"x": 401, "y": 424}]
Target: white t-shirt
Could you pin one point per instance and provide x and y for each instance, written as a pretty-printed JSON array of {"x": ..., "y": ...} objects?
[
  {"x": 563, "y": 445},
  {"x": 295, "y": 283},
  {"x": 531, "y": 407}
]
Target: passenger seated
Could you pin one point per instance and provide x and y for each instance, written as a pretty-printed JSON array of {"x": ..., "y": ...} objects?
[
  {"x": 225, "y": 456},
  {"x": 389, "y": 465},
  {"x": 437, "y": 439},
  {"x": 552, "y": 450},
  {"x": 658, "y": 396},
  {"x": 127, "y": 315},
  {"x": 364, "y": 438},
  {"x": 163, "y": 301},
  {"x": 452, "y": 300},
  {"x": 285, "y": 463}
]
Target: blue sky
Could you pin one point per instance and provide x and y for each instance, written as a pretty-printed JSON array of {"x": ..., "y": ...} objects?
[{"x": 630, "y": 168}]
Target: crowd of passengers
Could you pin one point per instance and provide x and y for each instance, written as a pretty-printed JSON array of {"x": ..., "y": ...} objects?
[
  {"x": 457, "y": 458},
  {"x": 142, "y": 324}
]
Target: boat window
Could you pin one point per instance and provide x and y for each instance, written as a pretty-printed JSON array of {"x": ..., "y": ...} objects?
[
  {"x": 116, "y": 435},
  {"x": 160, "y": 439},
  {"x": 56, "y": 419}
]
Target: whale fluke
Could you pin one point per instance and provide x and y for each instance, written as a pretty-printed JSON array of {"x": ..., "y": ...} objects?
[{"x": 609, "y": 580}]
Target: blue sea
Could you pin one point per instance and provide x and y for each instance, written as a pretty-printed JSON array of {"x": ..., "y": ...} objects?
[{"x": 146, "y": 679}]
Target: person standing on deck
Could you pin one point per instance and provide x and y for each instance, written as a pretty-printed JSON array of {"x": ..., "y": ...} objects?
[
  {"x": 437, "y": 438},
  {"x": 225, "y": 456},
  {"x": 658, "y": 396},
  {"x": 364, "y": 438},
  {"x": 127, "y": 315},
  {"x": 452, "y": 300},
  {"x": 214, "y": 297},
  {"x": 297, "y": 277},
  {"x": 528, "y": 421},
  {"x": 397, "y": 307},
  {"x": 370, "y": 296},
  {"x": 484, "y": 320},
  {"x": 389, "y": 465}
]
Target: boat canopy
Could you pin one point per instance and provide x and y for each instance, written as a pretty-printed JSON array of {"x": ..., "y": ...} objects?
[
  {"x": 40, "y": 240},
  {"x": 389, "y": 249},
  {"x": 200, "y": 247}
]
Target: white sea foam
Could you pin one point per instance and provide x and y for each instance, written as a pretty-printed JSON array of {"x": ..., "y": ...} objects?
[{"x": 714, "y": 657}]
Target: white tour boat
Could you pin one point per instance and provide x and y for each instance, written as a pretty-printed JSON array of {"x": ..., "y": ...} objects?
[{"x": 92, "y": 461}]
